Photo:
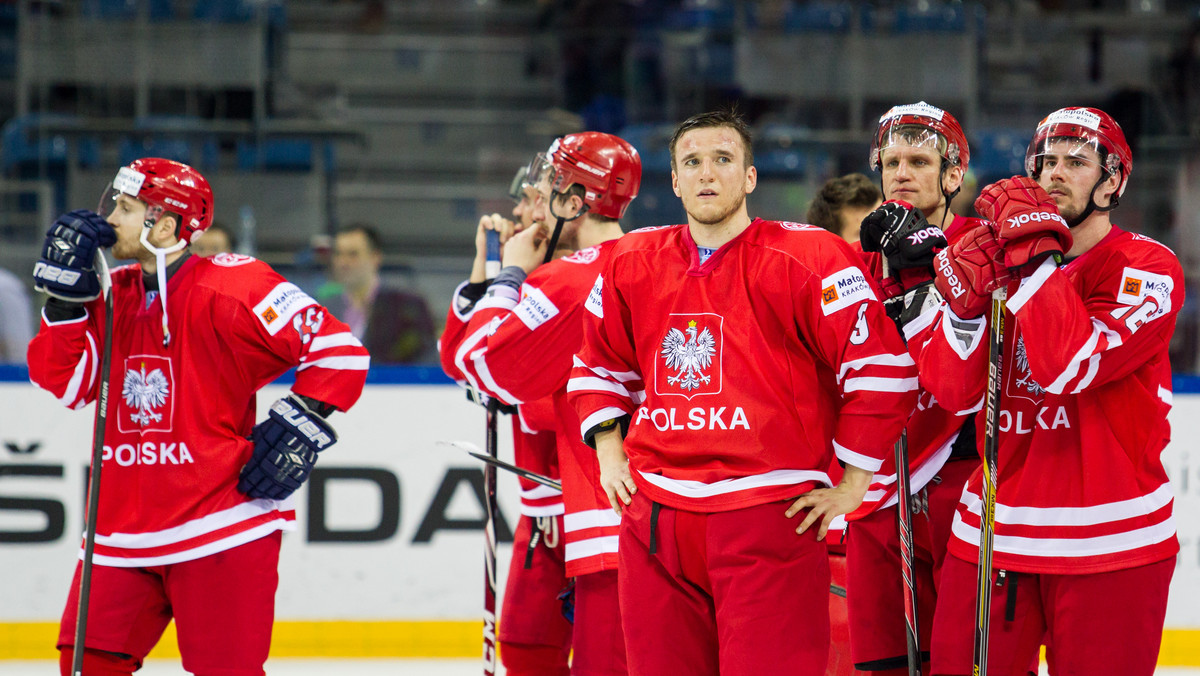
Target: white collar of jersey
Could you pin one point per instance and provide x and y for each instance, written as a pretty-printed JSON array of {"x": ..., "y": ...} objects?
[{"x": 160, "y": 262}]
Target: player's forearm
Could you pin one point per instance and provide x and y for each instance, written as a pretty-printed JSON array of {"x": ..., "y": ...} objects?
[{"x": 610, "y": 447}]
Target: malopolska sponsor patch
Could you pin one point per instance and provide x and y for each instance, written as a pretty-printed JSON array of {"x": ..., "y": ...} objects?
[
  {"x": 594, "y": 303},
  {"x": 843, "y": 289},
  {"x": 535, "y": 308},
  {"x": 280, "y": 305}
]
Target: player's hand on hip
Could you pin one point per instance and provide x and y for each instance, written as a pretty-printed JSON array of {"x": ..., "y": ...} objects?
[
  {"x": 1028, "y": 224},
  {"x": 286, "y": 445},
  {"x": 66, "y": 269},
  {"x": 525, "y": 249},
  {"x": 969, "y": 271},
  {"x": 615, "y": 476},
  {"x": 825, "y": 504}
]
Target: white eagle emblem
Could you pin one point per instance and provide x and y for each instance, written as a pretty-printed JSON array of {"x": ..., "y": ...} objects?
[
  {"x": 1022, "y": 365},
  {"x": 690, "y": 353},
  {"x": 145, "y": 392}
]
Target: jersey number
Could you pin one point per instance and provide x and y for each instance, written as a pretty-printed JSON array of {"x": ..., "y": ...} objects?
[{"x": 861, "y": 331}]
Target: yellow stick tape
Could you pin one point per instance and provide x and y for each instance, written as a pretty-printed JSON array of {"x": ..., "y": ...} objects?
[
  {"x": 417, "y": 639},
  {"x": 434, "y": 638}
]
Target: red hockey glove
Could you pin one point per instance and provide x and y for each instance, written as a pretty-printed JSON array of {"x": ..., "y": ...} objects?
[
  {"x": 1027, "y": 221},
  {"x": 969, "y": 270}
]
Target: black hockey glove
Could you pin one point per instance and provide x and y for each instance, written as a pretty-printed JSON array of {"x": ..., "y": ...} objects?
[
  {"x": 900, "y": 232},
  {"x": 285, "y": 449},
  {"x": 66, "y": 269}
]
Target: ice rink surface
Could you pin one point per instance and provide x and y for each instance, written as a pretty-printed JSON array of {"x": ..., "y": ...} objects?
[{"x": 355, "y": 667}]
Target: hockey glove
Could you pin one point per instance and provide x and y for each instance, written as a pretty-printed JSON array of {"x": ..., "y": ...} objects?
[
  {"x": 567, "y": 598},
  {"x": 969, "y": 270},
  {"x": 66, "y": 269},
  {"x": 900, "y": 232},
  {"x": 1027, "y": 221},
  {"x": 285, "y": 449}
]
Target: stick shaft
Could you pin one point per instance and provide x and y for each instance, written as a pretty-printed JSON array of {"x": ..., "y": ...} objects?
[
  {"x": 987, "y": 525},
  {"x": 93, "y": 493},
  {"x": 912, "y": 632}
]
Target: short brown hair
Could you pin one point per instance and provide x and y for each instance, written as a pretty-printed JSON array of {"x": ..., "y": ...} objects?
[
  {"x": 717, "y": 118},
  {"x": 851, "y": 190}
]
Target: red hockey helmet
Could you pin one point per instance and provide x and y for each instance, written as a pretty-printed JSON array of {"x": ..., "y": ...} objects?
[
  {"x": 1087, "y": 128},
  {"x": 165, "y": 185},
  {"x": 608, "y": 168},
  {"x": 924, "y": 126}
]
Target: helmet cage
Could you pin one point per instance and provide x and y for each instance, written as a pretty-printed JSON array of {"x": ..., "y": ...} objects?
[
  {"x": 543, "y": 172},
  {"x": 942, "y": 132},
  {"x": 913, "y": 135},
  {"x": 1082, "y": 144}
]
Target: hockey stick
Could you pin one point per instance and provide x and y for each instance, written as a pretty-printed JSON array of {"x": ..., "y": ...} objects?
[
  {"x": 93, "y": 493},
  {"x": 912, "y": 632},
  {"x": 908, "y": 577},
  {"x": 492, "y": 268},
  {"x": 474, "y": 451},
  {"x": 987, "y": 525}
]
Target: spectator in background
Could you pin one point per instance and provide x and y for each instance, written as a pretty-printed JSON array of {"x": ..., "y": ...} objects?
[
  {"x": 217, "y": 239},
  {"x": 842, "y": 203},
  {"x": 16, "y": 318},
  {"x": 393, "y": 324}
]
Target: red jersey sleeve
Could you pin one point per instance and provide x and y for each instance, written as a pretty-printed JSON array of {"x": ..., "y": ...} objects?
[
  {"x": 1124, "y": 318},
  {"x": 517, "y": 346},
  {"x": 64, "y": 356},
  {"x": 605, "y": 380},
  {"x": 840, "y": 317},
  {"x": 280, "y": 323}
]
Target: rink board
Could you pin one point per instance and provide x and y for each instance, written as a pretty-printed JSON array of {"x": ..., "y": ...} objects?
[{"x": 386, "y": 559}]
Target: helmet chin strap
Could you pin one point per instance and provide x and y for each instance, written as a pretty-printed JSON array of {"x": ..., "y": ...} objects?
[
  {"x": 558, "y": 228},
  {"x": 1092, "y": 206},
  {"x": 160, "y": 264}
]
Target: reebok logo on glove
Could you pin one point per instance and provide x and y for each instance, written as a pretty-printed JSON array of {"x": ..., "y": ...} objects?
[
  {"x": 308, "y": 428},
  {"x": 920, "y": 236},
  {"x": 942, "y": 261},
  {"x": 1035, "y": 217},
  {"x": 53, "y": 273}
]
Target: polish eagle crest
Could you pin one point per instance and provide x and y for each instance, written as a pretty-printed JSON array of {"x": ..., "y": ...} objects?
[
  {"x": 145, "y": 392},
  {"x": 689, "y": 353},
  {"x": 1026, "y": 375}
]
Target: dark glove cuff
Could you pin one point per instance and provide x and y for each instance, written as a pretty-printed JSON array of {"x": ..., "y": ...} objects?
[
  {"x": 59, "y": 310},
  {"x": 589, "y": 437},
  {"x": 512, "y": 276},
  {"x": 473, "y": 291},
  {"x": 316, "y": 406}
]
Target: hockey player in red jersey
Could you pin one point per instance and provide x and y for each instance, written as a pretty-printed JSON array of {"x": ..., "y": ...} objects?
[
  {"x": 922, "y": 154},
  {"x": 725, "y": 362},
  {"x": 533, "y": 631},
  {"x": 517, "y": 343},
  {"x": 194, "y": 494},
  {"x": 1085, "y": 541}
]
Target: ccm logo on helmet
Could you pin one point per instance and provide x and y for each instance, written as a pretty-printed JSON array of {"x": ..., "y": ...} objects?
[
  {"x": 922, "y": 235},
  {"x": 1035, "y": 217}
]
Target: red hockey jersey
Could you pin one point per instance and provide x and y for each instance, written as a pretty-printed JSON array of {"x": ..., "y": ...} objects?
[
  {"x": 1083, "y": 411},
  {"x": 745, "y": 374},
  {"x": 519, "y": 348},
  {"x": 932, "y": 430},
  {"x": 179, "y": 416}
]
